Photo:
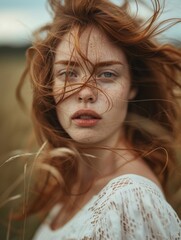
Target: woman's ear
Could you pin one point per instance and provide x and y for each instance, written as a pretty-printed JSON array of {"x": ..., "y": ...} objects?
[{"x": 132, "y": 93}]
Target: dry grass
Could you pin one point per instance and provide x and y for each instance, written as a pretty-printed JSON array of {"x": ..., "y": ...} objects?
[
  {"x": 15, "y": 127},
  {"x": 14, "y": 124}
]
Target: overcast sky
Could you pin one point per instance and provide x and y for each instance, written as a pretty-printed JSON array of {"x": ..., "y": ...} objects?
[{"x": 18, "y": 18}]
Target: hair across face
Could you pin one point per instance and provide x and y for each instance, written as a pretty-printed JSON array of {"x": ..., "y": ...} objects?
[
  {"x": 69, "y": 71},
  {"x": 93, "y": 85},
  {"x": 153, "y": 69}
]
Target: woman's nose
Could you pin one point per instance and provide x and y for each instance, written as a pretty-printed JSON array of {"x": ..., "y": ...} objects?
[{"x": 87, "y": 94}]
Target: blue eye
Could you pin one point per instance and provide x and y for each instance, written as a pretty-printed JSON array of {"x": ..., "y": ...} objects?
[
  {"x": 106, "y": 75},
  {"x": 70, "y": 75}
]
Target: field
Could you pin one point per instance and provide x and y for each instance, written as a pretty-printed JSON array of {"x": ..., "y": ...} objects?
[
  {"x": 15, "y": 129},
  {"x": 15, "y": 136}
]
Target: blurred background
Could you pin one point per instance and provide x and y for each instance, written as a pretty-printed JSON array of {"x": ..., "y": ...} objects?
[{"x": 18, "y": 19}]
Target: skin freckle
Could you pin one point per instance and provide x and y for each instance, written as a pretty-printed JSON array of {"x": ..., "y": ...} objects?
[{"x": 107, "y": 118}]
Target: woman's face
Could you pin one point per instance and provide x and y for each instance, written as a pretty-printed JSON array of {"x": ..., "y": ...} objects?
[{"x": 96, "y": 113}]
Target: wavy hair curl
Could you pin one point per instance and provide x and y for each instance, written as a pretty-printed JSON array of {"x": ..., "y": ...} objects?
[{"x": 153, "y": 121}]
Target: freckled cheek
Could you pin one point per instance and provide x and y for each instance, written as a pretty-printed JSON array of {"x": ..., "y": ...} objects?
[
  {"x": 120, "y": 103},
  {"x": 63, "y": 115},
  {"x": 57, "y": 92},
  {"x": 61, "y": 92},
  {"x": 117, "y": 95}
]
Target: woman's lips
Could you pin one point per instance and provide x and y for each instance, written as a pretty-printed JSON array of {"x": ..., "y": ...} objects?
[{"x": 86, "y": 118}]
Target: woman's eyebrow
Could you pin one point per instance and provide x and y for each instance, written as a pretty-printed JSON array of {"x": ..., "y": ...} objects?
[
  {"x": 67, "y": 62},
  {"x": 96, "y": 65},
  {"x": 107, "y": 63}
]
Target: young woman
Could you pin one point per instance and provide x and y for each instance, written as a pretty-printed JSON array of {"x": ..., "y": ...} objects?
[{"x": 105, "y": 107}]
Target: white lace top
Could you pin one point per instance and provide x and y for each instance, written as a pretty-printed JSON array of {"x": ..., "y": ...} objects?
[{"x": 128, "y": 207}]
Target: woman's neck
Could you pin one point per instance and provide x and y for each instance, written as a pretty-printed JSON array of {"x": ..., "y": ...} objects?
[{"x": 102, "y": 161}]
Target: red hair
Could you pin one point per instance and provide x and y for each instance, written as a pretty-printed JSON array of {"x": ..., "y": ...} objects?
[{"x": 152, "y": 125}]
